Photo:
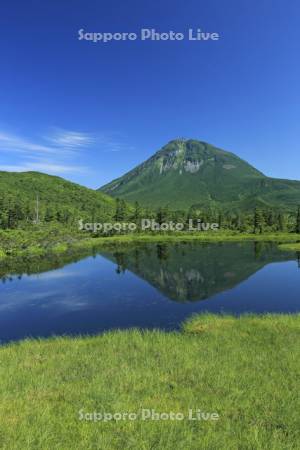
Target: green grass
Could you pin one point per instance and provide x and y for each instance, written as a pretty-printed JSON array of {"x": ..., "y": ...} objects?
[
  {"x": 49, "y": 240},
  {"x": 245, "y": 369},
  {"x": 201, "y": 236},
  {"x": 208, "y": 237},
  {"x": 42, "y": 240},
  {"x": 292, "y": 246}
]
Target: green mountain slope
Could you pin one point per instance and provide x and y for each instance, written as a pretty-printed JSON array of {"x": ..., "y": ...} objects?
[
  {"x": 189, "y": 172},
  {"x": 59, "y": 199}
]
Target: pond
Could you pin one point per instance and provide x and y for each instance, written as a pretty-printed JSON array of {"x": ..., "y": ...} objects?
[{"x": 145, "y": 286}]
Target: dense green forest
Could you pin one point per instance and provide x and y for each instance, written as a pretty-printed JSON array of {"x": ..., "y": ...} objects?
[
  {"x": 32, "y": 200},
  {"x": 30, "y": 197}
]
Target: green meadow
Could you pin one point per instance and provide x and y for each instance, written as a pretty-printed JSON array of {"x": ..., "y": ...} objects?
[{"x": 246, "y": 370}]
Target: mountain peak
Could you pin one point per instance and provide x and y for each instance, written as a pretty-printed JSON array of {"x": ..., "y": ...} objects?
[
  {"x": 195, "y": 150},
  {"x": 187, "y": 172}
]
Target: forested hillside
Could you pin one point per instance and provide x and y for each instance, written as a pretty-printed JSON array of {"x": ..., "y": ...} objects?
[{"x": 31, "y": 196}]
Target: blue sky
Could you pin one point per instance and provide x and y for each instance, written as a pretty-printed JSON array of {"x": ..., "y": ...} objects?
[{"x": 91, "y": 111}]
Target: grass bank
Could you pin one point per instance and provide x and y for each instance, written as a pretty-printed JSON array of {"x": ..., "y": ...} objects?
[
  {"x": 43, "y": 241},
  {"x": 292, "y": 246},
  {"x": 244, "y": 369},
  {"x": 188, "y": 237}
]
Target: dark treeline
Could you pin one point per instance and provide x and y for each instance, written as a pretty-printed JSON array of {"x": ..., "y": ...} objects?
[
  {"x": 257, "y": 221},
  {"x": 15, "y": 213},
  {"x": 22, "y": 213}
]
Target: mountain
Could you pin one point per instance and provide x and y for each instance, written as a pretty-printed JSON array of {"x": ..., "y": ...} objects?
[
  {"x": 193, "y": 272},
  {"x": 189, "y": 172},
  {"x": 59, "y": 199}
]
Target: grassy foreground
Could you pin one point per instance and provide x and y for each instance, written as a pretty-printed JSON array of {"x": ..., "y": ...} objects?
[{"x": 244, "y": 369}]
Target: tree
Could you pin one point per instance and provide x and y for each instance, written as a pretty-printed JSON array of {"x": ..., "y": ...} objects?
[
  {"x": 12, "y": 215},
  {"x": 280, "y": 222},
  {"x": 258, "y": 221},
  {"x": 120, "y": 210},
  {"x": 162, "y": 215},
  {"x": 137, "y": 212},
  {"x": 270, "y": 218},
  {"x": 298, "y": 221},
  {"x": 220, "y": 220},
  {"x": 49, "y": 215}
]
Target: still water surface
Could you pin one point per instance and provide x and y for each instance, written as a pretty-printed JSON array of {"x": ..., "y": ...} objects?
[{"x": 146, "y": 286}]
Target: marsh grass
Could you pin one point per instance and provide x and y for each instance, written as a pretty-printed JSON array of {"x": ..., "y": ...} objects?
[
  {"x": 291, "y": 247},
  {"x": 246, "y": 369},
  {"x": 56, "y": 240}
]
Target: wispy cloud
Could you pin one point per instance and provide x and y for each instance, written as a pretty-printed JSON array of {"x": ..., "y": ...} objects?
[
  {"x": 56, "y": 142},
  {"x": 58, "y": 151},
  {"x": 9, "y": 142},
  {"x": 112, "y": 143},
  {"x": 69, "y": 139},
  {"x": 42, "y": 167},
  {"x": 50, "y": 153}
]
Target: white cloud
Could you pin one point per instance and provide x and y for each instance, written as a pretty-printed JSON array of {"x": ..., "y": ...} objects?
[
  {"x": 10, "y": 142},
  {"x": 69, "y": 139},
  {"x": 57, "y": 142},
  {"x": 43, "y": 167},
  {"x": 57, "y": 152},
  {"x": 112, "y": 143},
  {"x": 50, "y": 154}
]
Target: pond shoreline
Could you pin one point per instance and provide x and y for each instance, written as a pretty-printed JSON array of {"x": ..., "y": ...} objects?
[{"x": 38, "y": 243}]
